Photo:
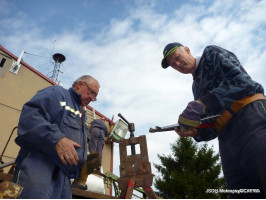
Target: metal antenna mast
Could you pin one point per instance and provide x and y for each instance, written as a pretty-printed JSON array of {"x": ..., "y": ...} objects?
[{"x": 58, "y": 58}]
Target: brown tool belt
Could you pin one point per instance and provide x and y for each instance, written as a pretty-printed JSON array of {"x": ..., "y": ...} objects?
[{"x": 236, "y": 106}]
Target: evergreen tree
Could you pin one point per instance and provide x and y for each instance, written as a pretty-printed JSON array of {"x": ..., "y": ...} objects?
[{"x": 189, "y": 172}]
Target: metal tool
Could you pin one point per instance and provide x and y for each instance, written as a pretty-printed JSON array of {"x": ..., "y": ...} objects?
[
  {"x": 131, "y": 128},
  {"x": 173, "y": 126}
]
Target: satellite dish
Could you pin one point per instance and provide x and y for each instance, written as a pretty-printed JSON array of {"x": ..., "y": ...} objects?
[{"x": 58, "y": 57}]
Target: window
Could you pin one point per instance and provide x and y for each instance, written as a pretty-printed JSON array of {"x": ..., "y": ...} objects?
[
  {"x": 5, "y": 63},
  {"x": 2, "y": 62}
]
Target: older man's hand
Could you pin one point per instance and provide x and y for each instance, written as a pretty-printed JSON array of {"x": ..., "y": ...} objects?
[
  {"x": 192, "y": 132},
  {"x": 66, "y": 151}
]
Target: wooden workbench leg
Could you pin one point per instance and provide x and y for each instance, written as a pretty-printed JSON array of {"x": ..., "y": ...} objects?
[
  {"x": 130, "y": 188},
  {"x": 122, "y": 194},
  {"x": 150, "y": 193}
]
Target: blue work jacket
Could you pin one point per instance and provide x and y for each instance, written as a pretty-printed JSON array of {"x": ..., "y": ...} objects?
[
  {"x": 53, "y": 113},
  {"x": 218, "y": 81}
]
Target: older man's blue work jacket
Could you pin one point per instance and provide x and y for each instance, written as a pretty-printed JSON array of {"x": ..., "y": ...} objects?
[{"x": 53, "y": 113}]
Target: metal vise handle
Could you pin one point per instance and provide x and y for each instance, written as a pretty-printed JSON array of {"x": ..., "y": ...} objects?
[{"x": 131, "y": 128}]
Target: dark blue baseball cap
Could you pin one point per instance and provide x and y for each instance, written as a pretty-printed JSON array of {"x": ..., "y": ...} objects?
[{"x": 168, "y": 50}]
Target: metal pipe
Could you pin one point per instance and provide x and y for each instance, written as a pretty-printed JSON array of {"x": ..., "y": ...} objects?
[
  {"x": 119, "y": 115},
  {"x": 173, "y": 126},
  {"x": 7, "y": 164},
  {"x": 7, "y": 143}
]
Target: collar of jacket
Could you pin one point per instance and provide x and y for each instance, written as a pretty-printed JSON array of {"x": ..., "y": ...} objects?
[{"x": 75, "y": 95}]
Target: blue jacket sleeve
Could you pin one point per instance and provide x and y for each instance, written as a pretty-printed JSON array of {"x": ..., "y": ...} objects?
[
  {"x": 37, "y": 128},
  {"x": 206, "y": 135}
]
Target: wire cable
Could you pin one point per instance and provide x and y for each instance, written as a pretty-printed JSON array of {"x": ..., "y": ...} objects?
[{"x": 36, "y": 55}]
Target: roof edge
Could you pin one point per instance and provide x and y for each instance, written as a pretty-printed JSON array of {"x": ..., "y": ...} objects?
[
  {"x": 101, "y": 115},
  {"x": 28, "y": 66},
  {"x": 49, "y": 80}
]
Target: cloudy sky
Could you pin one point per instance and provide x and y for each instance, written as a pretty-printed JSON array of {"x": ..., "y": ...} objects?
[{"x": 120, "y": 43}]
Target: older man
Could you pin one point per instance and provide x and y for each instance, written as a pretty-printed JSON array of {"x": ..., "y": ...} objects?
[
  {"x": 222, "y": 86},
  {"x": 53, "y": 136}
]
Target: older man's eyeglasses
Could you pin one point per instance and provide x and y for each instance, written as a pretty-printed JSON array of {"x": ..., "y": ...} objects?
[{"x": 92, "y": 92}]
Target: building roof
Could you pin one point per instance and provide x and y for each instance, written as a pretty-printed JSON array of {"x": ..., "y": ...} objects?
[
  {"x": 27, "y": 65},
  {"x": 48, "y": 79}
]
